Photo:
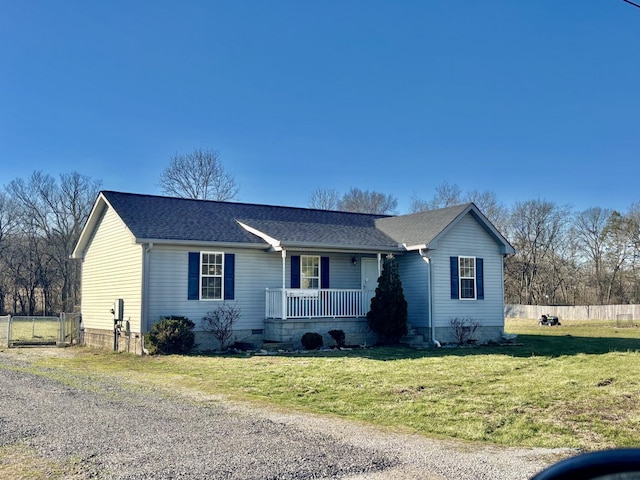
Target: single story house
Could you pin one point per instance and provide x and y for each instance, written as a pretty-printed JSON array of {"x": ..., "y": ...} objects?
[{"x": 288, "y": 270}]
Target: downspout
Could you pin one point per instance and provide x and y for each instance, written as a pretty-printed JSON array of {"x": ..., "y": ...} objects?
[
  {"x": 145, "y": 297},
  {"x": 284, "y": 284},
  {"x": 430, "y": 309}
]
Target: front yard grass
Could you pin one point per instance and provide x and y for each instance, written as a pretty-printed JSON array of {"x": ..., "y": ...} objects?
[{"x": 576, "y": 385}]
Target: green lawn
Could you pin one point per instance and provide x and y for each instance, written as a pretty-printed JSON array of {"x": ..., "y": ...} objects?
[
  {"x": 38, "y": 331},
  {"x": 576, "y": 385}
]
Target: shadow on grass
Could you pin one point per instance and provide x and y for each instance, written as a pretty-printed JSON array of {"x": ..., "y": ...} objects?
[{"x": 526, "y": 346}]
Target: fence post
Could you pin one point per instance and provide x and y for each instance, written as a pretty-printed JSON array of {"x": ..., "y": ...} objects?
[
  {"x": 9, "y": 332},
  {"x": 61, "y": 329}
]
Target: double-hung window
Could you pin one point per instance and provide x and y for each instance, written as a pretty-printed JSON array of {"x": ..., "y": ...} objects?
[
  {"x": 211, "y": 275},
  {"x": 309, "y": 271},
  {"x": 467, "y": 269}
]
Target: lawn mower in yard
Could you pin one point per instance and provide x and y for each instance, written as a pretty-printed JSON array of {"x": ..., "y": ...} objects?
[{"x": 549, "y": 320}]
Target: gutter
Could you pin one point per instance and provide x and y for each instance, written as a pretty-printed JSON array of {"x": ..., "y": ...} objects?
[{"x": 196, "y": 243}]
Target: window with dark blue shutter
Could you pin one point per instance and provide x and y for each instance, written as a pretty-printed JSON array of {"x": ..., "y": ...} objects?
[
  {"x": 194, "y": 276},
  {"x": 454, "y": 277},
  {"x": 217, "y": 276},
  {"x": 229, "y": 276},
  {"x": 295, "y": 271},
  {"x": 324, "y": 272},
  {"x": 480, "y": 278},
  {"x": 467, "y": 278}
]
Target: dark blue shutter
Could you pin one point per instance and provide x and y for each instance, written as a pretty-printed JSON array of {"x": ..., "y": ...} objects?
[
  {"x": 480, "y": 278},
  {"x": 454, "y": 277},
  {"x": 194, "y": 276},
  {"x": 229, "y": 276},
  {"x": 295, "y": 271},
  {"x": 324, "y": 272}
]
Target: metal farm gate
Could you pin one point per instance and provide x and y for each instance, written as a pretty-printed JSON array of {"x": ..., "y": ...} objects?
[{"x": 16, "y": 331}]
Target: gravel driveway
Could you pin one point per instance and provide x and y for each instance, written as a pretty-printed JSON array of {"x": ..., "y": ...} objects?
[{"x": 114, "y": 433}]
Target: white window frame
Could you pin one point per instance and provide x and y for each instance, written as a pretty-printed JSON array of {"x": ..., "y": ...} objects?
[
  {"x": 304, "y": 277},
  {"x": 204, "y": 276},
  {"x": 465, "y": 276}
]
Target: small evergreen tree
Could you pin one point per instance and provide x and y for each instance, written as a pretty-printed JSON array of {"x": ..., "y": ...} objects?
[{"x": 387, "y": 317}]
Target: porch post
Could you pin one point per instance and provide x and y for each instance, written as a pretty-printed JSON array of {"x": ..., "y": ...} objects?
[
  {"x": 284, "y": 284},
  {"x": 379, "y": 261}
]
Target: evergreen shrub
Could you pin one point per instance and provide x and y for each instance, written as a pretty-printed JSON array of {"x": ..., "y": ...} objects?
[
  {"x": 311, "y": 341},
  {"x": 171, "y": 335},
  {"x": 388, "y": 315}
]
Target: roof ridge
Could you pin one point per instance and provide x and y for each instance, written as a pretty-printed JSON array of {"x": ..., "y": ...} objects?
[{"x": 249, "y": 204}]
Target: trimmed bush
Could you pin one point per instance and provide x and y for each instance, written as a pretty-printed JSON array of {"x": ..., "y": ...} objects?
[
  {"x": 338, "y": 337},
  {"x": 172, "y": 335},
  {"x": 311, "y": 341}
]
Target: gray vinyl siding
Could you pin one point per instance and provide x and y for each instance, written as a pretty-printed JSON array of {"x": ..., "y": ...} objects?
[
  {"x": 111, "y": 268},
  {"x": 414, "y": 274},
  {"x": 467, "y": 238},
  {"x": 255, "y": 270},
  {"x": 342, "y": 273}
]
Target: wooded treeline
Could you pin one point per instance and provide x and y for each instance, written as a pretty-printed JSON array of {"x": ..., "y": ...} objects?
[
  {"x": 40, "y": 221},
  {"x": 563, "y": 257},
  {"x": 589, "y": 257}
]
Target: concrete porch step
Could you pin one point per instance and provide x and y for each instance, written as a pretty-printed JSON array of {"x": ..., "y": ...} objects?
[{"x": 414, "y": 340}]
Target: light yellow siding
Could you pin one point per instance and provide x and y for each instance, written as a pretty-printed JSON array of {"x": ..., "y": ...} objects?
[{"x": 111, "y": 269}]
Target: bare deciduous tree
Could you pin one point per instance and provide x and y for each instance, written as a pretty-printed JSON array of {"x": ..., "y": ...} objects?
[
  {"x": 8, "y": 219},
  {"x": 620, "y": 237},
  {"x": 324, "y": 199},
  {"x": 537, "y": 229},
  {"x": 51, "y": 216},
  {"x": 365, "y": 201},
  {"x": 591, "y": 234},
  {"x": 488, "y": 204},
  {"x": 446, "y": 195},
  {"x": 198, "y": 175}
]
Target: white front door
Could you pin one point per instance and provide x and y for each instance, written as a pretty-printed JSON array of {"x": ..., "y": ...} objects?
[
  {"x": 368, "y": 281},
  {"x": 369, "y": 274}
]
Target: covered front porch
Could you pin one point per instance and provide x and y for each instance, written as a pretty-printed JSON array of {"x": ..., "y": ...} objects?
[
  {"x": 293, "y": 303},
  {"x": 318, "y": 293}
]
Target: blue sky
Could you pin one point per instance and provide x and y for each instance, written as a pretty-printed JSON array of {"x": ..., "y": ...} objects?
[{"x": 528, "y": 99}]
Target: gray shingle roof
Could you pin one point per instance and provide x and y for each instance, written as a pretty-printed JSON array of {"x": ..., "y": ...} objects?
[
  {"x": 165, "y": 218},
  {"x": 420, "y": 228}
]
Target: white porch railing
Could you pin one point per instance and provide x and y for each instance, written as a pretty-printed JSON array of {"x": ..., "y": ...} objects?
[{"x": 312, "y": 303}]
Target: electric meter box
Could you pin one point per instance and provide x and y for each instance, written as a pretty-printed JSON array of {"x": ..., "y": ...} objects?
[{"x": 118, "y": 309}]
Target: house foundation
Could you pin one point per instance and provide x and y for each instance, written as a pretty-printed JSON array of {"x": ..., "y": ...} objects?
[
  {"x": 291, "y": 330},
  {"x": 123, "y": 342}
]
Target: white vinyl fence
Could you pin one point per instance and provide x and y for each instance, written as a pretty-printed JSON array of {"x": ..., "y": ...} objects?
[{"x": 579, "y": 312}]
